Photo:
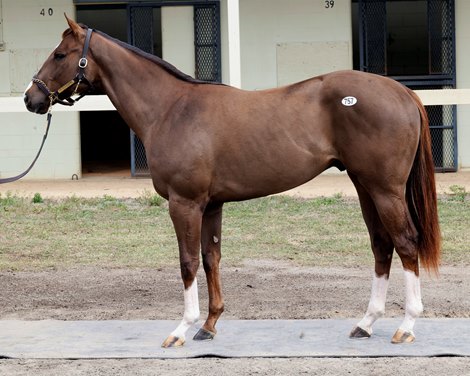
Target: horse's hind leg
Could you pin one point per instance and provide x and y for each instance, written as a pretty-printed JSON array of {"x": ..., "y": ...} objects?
[
  {"x": 210, "y": 246},
  {"x": 393, "y": 212},
  {"x": 382, "y": 247}
]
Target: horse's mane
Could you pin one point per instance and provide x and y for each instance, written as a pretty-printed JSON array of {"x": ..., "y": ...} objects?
[{"x": 155, "y": 59}]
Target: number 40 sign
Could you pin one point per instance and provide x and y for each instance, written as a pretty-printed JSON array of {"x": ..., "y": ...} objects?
[{"x": 46, "y": 12}]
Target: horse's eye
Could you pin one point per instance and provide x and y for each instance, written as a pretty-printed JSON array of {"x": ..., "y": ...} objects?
[{"x": 58, "y": 56}]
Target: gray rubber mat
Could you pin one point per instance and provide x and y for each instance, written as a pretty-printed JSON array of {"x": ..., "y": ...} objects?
[{"x": 236, "y": 338}]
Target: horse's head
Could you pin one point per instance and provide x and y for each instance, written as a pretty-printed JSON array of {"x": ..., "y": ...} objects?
[{"x": 64, "y": 73}]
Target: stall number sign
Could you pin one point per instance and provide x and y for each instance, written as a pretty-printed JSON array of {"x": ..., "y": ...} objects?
[{"x": 46, "y": 12}]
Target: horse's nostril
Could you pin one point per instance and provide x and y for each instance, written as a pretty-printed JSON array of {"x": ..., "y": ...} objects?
[{"x": 26, "y": 98}]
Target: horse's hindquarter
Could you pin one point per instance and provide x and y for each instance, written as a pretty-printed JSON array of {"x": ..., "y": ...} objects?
[{"x": 376, "y": 124}]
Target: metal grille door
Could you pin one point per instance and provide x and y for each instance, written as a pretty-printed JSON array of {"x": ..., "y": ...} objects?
[
  {"x": 443, "y": 119},
  {"x": 207, "y": 43},
  {"x": 441, "y": 37},
  {"x": 443, "y": 136},
  {"x": 374, "y": 36}
]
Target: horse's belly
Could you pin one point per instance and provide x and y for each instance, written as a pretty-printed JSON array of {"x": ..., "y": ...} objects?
[{"x": 257, "y": 179}]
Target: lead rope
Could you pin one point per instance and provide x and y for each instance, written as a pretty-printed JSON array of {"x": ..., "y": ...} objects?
[{"x": 17, "y": 177}]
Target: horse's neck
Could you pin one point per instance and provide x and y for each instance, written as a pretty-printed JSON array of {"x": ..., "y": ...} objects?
[{"x": 141, "y": 91}]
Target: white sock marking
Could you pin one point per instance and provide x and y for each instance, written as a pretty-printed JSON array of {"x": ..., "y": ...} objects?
[
  {"x": 191, "y": 311},
  {"x": 414, "y": 306},
  {"x": 376, "y": 307}
]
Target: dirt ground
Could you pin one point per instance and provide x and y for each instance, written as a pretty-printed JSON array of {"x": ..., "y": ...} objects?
[{"x": 258, "y": 289}]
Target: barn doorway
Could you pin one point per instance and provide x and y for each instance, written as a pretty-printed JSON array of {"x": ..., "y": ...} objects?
[{"x": 104, "y": 135}]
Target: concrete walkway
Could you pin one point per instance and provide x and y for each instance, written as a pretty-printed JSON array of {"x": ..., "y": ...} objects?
[{"x": 236, "y": 338}]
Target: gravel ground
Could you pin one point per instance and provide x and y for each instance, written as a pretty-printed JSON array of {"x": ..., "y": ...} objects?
[{"x": 257, "y": 290}]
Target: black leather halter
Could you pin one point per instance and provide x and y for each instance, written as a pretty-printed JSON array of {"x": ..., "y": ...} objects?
[{"x": 55, "y": 97}]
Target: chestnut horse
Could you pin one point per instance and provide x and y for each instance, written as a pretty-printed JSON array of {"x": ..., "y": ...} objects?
[{"x": 207, "y": 144}]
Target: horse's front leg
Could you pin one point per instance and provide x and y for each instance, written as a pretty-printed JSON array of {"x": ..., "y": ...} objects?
[
  {"x": 210, "y": 245},
  {"x": 187, "y": 217}
]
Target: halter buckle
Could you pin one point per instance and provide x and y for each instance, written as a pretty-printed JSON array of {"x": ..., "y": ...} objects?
[{"x": 83, "y": 62}]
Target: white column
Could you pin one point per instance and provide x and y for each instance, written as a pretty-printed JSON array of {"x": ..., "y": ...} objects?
[{"x": 233, "y": 26}]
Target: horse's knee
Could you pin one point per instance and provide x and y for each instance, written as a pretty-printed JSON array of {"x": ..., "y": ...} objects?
[{"x": 189, "y": 270}]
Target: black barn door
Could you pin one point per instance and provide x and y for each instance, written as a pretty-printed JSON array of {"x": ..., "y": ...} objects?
[{"x": 417, "y": 51}]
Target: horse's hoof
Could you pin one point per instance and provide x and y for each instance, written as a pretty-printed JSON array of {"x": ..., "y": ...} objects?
[
  {"x": 402, "y": 336},
  {"x": 172, "y": 341},
  {"x": 204, "y": 335},
  {"x": 359, "y": 333}
]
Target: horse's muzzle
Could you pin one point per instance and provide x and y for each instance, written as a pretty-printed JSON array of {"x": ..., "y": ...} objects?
[{"x": 38, "y": 106}]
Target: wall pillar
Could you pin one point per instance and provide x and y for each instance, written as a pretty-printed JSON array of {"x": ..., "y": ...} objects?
[{"x": 233, "y": 26}]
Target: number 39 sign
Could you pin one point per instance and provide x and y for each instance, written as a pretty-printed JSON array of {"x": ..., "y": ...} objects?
[{"x": 329, "y": 4}]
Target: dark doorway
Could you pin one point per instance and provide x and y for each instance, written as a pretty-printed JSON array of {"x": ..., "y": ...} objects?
[
  {"x": 104, "y": 143},
  {"x": 104, "y": 136},
  {"x": 407, "y": 38}
]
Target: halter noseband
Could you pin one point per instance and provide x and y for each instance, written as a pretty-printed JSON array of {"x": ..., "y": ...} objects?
[{"x": 54, "y": 97}]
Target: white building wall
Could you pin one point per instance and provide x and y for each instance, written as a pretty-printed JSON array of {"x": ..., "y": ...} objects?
[
  {"x": 178, "y": 38},
  {"x": 287, "y": 41},
  {"x": 281, "y": 42},
  {"x": 462, "y": 34},
  {"x": 31, "y": 29}
]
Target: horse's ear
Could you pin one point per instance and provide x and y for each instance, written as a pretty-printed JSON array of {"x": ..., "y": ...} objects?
[{"x": 75, "y": 27}]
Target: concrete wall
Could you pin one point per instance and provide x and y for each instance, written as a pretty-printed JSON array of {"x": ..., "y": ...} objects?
[
  {"x": 462, "y": 34},
  {"x": 178, "y": 38},
  {"x": 287, "y": 41},
  {"x": 29, "y": 35}
]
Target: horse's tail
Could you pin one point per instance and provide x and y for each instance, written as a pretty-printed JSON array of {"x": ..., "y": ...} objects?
[{"x": 421, "y": 196}]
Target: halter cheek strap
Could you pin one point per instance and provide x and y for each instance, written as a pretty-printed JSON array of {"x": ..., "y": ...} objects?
[{"x": 77, "y": 80}]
